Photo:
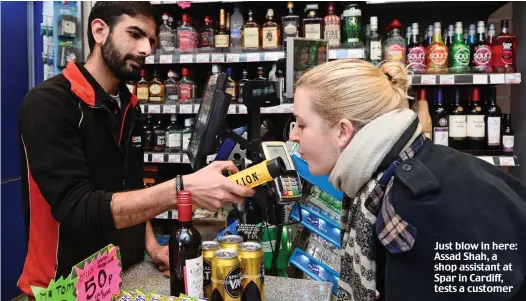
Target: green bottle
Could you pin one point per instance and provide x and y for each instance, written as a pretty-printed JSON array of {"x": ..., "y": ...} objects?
[{"x": 459, "y": 52}]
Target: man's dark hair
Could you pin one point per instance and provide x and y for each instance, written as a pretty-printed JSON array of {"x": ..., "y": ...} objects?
[{"x": 111, "y": 11}]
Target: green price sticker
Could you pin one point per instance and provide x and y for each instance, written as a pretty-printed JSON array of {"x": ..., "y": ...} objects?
[{"x": 60, "y": 290}]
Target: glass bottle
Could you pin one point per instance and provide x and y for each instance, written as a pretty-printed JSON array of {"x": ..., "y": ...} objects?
[
  {"x": 475, "y": 123},
  {"x": 261, "y": 74},
  {"x": 187, "y": 132},
  {"x": 290, "y": 23},
  {"x": 156, "y": 89},
  {"x": 493, "y": 121},
  {"x": 440, "y": 121},
  {"x": 437, "y": 53},
  {"x": 457, "y": 124},
  {"x": 251, "y": 36},
  {"x": 241, "y": 83},
  {"x": 166, "y": 36},
  {"x": 207, "y": 34},
  {"x": 504, "y": 51},
  {"x": 222, "y": 39},
  {"x": 148, "y": 133},
  {"x": 186, "y": 35},
  {"x": 186, "y": 87},
  {"x": 491, "y": 39},
  {"x": 236, "y": 28},
  {"x": 352, "y": 20},
  {"x": 394, "y": 46},
  {"x": 173, "y": 135},
  {"x": 374, "y": 42},
  {"x": 416, "y": 52},
  {"x": 331, "y": 23},
  {"x": 231, "y": 86},
  {"x": 312, "y": 24},
  {"x": 450, "y": 36},
  {"x": 408, "y": 36},
  {"x": 270, "y": 32},
  {"x": 481, "y": 52},
  {"x": 227, "y": 23},
  {"x": 429, "y": 36},
  {"x": 472, "y": 35},
  {"x": 170, "y": 88},
  {"x": 459, "y": 53},
  {"x": 143, "y": 88},
  {"x": 508, "y": 137},
  {"x": 158, "y": 136}
]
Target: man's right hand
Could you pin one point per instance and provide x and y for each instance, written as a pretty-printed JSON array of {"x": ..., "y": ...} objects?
[{"x": 210, "y": 189}]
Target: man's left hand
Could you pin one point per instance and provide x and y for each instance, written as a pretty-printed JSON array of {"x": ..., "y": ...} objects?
[{"x": 161, "y": 258}]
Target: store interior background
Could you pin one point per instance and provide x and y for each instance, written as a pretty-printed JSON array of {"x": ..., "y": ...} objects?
[{"x": 22, "y": 68}]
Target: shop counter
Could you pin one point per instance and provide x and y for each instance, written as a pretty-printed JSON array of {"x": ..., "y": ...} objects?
[{"x": 147, "y": 277}]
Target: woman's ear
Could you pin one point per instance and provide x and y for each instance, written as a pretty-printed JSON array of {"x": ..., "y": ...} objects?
[{"x": 346, "y": 130}]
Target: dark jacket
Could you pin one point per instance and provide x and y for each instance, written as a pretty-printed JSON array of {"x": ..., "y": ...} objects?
[
  {"x": 454, "y": 197},
  {"x": 76, "y": 153}
]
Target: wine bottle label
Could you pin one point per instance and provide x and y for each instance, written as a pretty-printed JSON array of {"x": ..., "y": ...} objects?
[
  {"x": 251, "y": 37},
  {"x": 193, "y": 275},
  {"x": 457, "y": 126},
  {"x": 143, "y": 93},
  {"x": 440, "y": 136},
  {"x": 395, "y": 53},
  {"x": 437, "y": 56},
  {"x": 173, "y": 140},
  {"x": 332, "y": 34},
  {"x": 187, "y": 40},
  {"x": 416, "y": 56},
  {"x": 185, "y": 91},
  {"x": 507, "y": 53},
  {"x": 270, "y": 37},
  {"x": 508, "y": 143},
  {"x": 475, "y": 126},
  {"x": 482, "y": 55},
  {"x": 493, "y": 131},
  {"x": 291, "y": 29},
  {"x": 222, "y": 40},
  {"x": 160, "y": 140},
  {"x": 375, "y": 51},
  {"x": 207, "y": 39},
  {"x": 313, "y": 31}
]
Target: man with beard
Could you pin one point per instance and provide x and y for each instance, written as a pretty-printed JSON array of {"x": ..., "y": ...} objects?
[{"x": 80, "y": 135}]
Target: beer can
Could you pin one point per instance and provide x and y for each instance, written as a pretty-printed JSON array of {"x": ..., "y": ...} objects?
[
  {"x": 226, "y": 276},
  {"x": 253, "y": 268},
  {"x": 209, "y": 248},
  {"x": 231, "y": 242}
]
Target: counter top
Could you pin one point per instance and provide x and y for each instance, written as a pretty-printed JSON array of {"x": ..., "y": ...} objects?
[{"x": 147, "y": 277}]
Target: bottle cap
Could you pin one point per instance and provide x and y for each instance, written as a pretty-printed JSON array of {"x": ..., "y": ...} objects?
[
  {"x": 188, "y": 122},
  {"x": 165, "y": 16},
  {"x": 173, "y": 117},
  {"x": 244, "y": 72},
  {"x": 171, "y": 73},
  {"x": 330, "y": 7},
  {"x": 207, "y": 19},
  {"x": 437, "y": 24},
  {"x": 395, "y": 24},
  {"x": 290, "y": 4},
  {"x": 170, "y": 18},
  {"x": 270, "y": 12},
  {"x": 184, "y": 71},
  {"x": 143, "y": 72},
  {"x": 215, "y": 69},
  {"x": 374, "y": 21},
  {"x": 414, "y": 25},
  {"x": 184, "y": 197},
  {"x": 422, "y": 95},
  {"x": 186, "y": 18},
  {"x": 229, "y": 70},
  {"x": 476, "y": 94}
]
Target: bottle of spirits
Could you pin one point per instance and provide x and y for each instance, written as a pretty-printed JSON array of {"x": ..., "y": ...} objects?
[
  {"x": 504, "y": 51},
  {"x": 206, "y": 35},
  {"x": 186, "y": 254},
  {"x": 394, "y": 46},
  {"x": 261, "y": 74},
  {"x": 428, "y": 40},
  {"x": 270, "y": 32},
  {"x": 450, "y": 36},
  {"x": 241, "y": 83},
  {"x": 440, "y": 121},
  {"x": 173, "y": 136},
  {"x": 331, "y": 23},
  {"x": 143, "y": 88},
  {"x": 367, "y": 40},
  {"x": 216, "y": 69},
  {"x": 251, "y": 33},
  {"x": 186, "y": 88},
  {"x": 312, "y": 24},
  {"x": 166, "y": 36},
  {"x": 231, "y": 86},
  {"x": 408, "y": 36},
  {"x": 472, "y": 35},
  {"x": 459, "y": 52},
  {"x": 491, "y": 40},
  {"x": 416, "y": 52},
  {"x": 158, "y": 137},
  {"x": 187, "y": 132},
  {"x": 374, "y": 42},
  {"x": 222, "y": 38},
  {"x": 186, "y": 35},
  {"x": 171, "y": 21},
  {"x": 132, "y": 87},
  {"x": 457, "y": 124},
  {"x": 436, "y": 53},
  {"x": 481, "y": 52},
  {"x": 227, "y": 23},
  {"x": 170, "y": 88},
  {"x": 475, "y": 123},
  {"x": 236, "y": 28},
  {"x": 148, "y": 133},
  {"x": 156, "y": 90},
  {"x": 352, "y": 20},
  {"x": 493, "y": 121},
  {"x": 290, "y": 23},
  {"x": 508, "y": 137}
]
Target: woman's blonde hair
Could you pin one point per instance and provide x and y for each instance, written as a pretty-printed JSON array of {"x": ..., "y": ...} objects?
[{"x": 356, "y": 90}]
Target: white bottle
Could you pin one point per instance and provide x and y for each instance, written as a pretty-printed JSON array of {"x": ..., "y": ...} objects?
[{"x": 187, "y": 132}]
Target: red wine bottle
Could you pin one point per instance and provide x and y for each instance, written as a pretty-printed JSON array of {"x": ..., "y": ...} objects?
[{"x": 186, "y": 255}]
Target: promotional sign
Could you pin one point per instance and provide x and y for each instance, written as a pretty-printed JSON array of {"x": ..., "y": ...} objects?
[{"x": 61, "y": 290}]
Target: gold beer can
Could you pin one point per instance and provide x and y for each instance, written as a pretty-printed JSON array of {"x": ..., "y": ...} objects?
[
  {"x": 230, "y": 242},
  {"x": 253, "y": 268},
  {"x": 209, "y": 248},
  {"x": 226, "y": 276}
]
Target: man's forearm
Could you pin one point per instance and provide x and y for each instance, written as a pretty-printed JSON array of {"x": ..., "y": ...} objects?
[
  {"x": 134, "y": 207},
  {"x": 150, "y": 242}
]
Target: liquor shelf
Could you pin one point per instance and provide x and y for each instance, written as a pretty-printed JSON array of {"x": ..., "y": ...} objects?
[
  {"x": 465, "y": 79},
  {"x": 152, "y": 157},
  {"x": 194, "y": 109},
  {"x": 501, "y": 161}
]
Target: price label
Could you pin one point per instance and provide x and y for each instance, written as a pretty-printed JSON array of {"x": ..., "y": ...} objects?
[
  {"x": 169, "y": 109},
  {"x": 232, "y": 109},
  {"x": 275, "y": 110},
  {"x": 513, "y": 78},
  {"x": 332, "y": 54},
  {"x": 480, "y": 79},
  {"x": 165, "y": 59},
  {"x": 142, "y": 108},
  {"x": 507, "y": 161},
  {"x": 218, "y": 58},
  {"x": 163, "y": 215},
  {"x": 232, "y": 57},
  {"x": 149, "y": 59},
  {"x": 447, "y": 79},
  {"x": 186, "y": 109},
  {"x": 253, "y": 57},
  {"x": 174, "y": 158},
  {"x": 186, "y": 58},
  {"x": 496, "y": 78},
  {"x": 271, "y": 56},
  {"x": 185, "y": 159},
  {"x": 288, "y": 108},
  {"x": 265, "y": 111},
  {"x": 158, "y": 158},
  {"x": 99, "y": 279},
  {"x": 355, "y": 53},
  {"x": 202, "y": 58},
  {"x": 429, "y": 80},
  {"x": 61, "y": 290},
  {"x": 487, "y": 159},
  {"x": 154, "y": 109},
  {"x": 146, "y": 160},
  {"x": 243, "y": 109},
  {"x": 410, "y": 78}
]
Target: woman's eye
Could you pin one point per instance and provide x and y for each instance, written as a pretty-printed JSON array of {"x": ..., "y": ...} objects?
[{"x": 301, "y": 127}]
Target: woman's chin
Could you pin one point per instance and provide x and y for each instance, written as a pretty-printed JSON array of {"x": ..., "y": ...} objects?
[{"x": 316, "y": 171}]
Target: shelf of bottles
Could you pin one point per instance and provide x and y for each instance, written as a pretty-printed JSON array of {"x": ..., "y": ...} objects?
[
  {"x": 465, "y": 79},
  {"x": 194, "y": 109},
  {"x": 171, "y": 157}
]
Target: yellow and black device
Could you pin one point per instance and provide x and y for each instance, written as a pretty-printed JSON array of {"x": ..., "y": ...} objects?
[{"x": 260, "y": 173}]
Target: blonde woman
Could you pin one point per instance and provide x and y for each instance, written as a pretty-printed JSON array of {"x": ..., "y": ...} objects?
[{"x": 407, "y": 201}]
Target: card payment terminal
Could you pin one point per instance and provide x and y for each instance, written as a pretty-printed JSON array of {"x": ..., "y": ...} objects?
[{"x": 288, "y": 186}]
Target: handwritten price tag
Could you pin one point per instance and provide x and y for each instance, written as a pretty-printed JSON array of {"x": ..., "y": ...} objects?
[
  {"x": 61, "y": 290},
  {"x": 218, "y": 58},
  {"x": 158, "y": 158},
  {"x": 165, "y": 59},
  {"x": 186, "y": 58},
  {"x": 154, "y": 109},
  {"x": 186, "y": 109},
  {"x": 149, "y": 59},
  {"x": 100, "y": 278},
  {"x": 232, "y": 57},
  {"x": 174, "y": 158},
  {"x": 253, "y": 57},
  {"x": 169, "y": 109},
  {"x": 202, "y": 58}
]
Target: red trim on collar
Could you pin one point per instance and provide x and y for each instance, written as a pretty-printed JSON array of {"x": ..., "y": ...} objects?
[
  {"x": 79, "y": 84},
  {"x": 134, "y": 100}
]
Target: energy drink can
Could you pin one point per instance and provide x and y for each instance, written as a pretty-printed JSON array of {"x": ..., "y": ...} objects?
[
  {"x": 251, "y": 258},
  {"x": 209, "y": 248},
  {"x": 231, "y": 242},
  {"x": 226, "y": 276}
]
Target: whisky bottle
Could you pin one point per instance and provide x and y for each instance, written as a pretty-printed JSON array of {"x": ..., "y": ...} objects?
[
  {"x": 332, "y": 28},
  {"x": 186, "y": 88},
  {"x": 143, "y": 88},
  {"x": 222, "y": 38},
  {"x": 290, "y": 23},
  {"x": 270, "y": 32},
  {"x": 251, "y": 32},
  {"x": 231, "y": 86},
  {"x": 206, "y": 35},
  {"x": 170, "y": 88},
  {"x": 312, "y": 24},
  {"x": 156, "y": 89},
  {"x": 241, "y": 83}
]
